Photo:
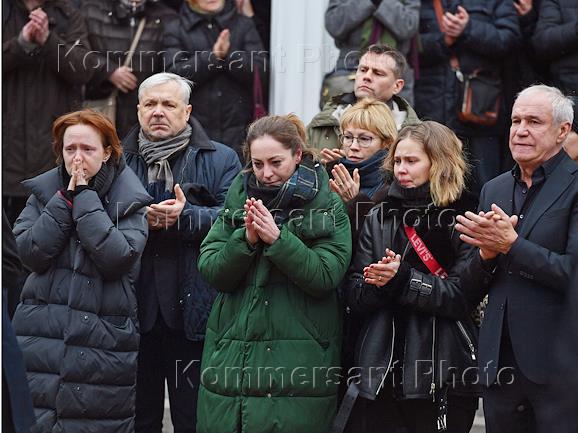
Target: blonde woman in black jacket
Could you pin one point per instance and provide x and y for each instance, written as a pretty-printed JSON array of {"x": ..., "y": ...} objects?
[{"x": 419, "y": 340}]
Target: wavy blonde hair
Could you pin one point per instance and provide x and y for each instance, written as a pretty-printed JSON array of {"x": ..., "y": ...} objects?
[
  {"x": 449, "y": 168},
  {"x": 371, "y": 115}
]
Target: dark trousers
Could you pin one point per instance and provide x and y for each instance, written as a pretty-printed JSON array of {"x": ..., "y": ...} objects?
[
  {"x": 388, "y": 415},
  {"x": 165, "y": 354},
  {"x": 514, "y": 404}
]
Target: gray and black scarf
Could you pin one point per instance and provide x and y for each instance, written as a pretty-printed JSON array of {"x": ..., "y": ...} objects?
[{"x": 158, "y": 153}]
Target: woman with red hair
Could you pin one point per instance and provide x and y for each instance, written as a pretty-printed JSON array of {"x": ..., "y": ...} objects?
[{"x": 81, "y": 235}]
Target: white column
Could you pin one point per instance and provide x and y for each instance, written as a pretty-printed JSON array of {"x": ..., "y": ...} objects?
[{"x": 301, "y": 53}]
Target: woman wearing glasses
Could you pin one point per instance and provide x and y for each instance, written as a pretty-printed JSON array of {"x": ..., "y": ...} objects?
[
  {"x": 405, "y": 284},
  {"x": 367, "y": 131}
]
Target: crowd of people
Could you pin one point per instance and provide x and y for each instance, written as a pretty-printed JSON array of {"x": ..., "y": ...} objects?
[{"x": 368, "y": 272}]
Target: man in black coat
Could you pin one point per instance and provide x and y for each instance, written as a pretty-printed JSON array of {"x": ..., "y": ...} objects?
[
  {"x": 527, "y": 239},
  {"x": 170, "y": 151},
  {"x": 44, "y": 62},
  {"x": 221, "y": 52},
  {"x": 112, "y": 25},
  {"x": 556, "y": 41},
  {"x": 480, "y": 35}
]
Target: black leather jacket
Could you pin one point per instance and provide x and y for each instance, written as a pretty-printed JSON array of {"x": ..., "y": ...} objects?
[{"x": 419, "y": 325}]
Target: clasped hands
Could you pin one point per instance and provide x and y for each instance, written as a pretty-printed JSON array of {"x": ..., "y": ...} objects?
[
  {"x": 259, "y": 223},
  {"x": 36, "y": 30},
  {"x": 381, "y": 273},
  {"x": 492, "y": 232},
  {"x": 77, "y": 175},
  {"x": 166, "y": 213}
]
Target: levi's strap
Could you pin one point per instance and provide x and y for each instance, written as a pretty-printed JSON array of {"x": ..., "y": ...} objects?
[{"x": 424, "y": 253}]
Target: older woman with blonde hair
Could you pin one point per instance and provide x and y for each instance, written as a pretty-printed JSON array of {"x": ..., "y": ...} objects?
[
  {"x": 405, "y": 284},
  {"x": 367, "y": 130}
]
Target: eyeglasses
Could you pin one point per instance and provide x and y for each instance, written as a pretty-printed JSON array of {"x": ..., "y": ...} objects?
[{"x": 362, "y": 140}]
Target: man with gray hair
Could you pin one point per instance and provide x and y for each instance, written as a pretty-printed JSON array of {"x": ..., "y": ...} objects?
[
  {"x": 188, "y": 176},
  {"x": 526, "y": 234}
]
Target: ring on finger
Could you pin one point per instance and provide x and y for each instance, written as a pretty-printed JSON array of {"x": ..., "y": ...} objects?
[{"x": 379, "y": 278}]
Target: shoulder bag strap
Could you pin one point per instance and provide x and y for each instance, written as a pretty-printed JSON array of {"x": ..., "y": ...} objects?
[{"x": 424, "y": 253}]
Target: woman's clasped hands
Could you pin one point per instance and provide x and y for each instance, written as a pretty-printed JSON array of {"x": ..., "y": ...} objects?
[
  {"x": 259, "y": 223},
  {"x": 381, "y": 273}
]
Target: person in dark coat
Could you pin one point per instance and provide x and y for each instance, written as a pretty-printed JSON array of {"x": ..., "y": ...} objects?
[
  {"x": 17, "y": 411},
  {"x": 112, "y": 25},
  {"x": 522, "y": 68},
  {"x": 419, "y": 337},
  {"x": 356, "y": 24},
  {"x": 44, "y": 49},
  {"x": 526, "y": 257},
  {"x": 220, "y": 51},
  {"x": 188, "y": 176},
  {"x": 82, "y": 234},
  {"x": 481, "y": 34},
  {"x": 556, "y": 41}
]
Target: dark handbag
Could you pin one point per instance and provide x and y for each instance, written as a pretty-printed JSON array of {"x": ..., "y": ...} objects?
[
  {"x": 479, "y": 98},
  {"x": 480, "y": 92}
]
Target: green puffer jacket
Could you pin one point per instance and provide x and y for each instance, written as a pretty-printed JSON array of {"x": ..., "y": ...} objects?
[
  {"x": 323, "y": 130},
  {"x": 272, "y": 348}
]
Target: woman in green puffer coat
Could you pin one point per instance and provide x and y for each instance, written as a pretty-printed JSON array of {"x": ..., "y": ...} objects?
[{"x": 276, "y": 254}]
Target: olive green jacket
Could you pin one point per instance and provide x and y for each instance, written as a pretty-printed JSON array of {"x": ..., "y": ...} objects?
[
  {"x": 323, "y": 131},
  {"x": 272, "y": 346}
]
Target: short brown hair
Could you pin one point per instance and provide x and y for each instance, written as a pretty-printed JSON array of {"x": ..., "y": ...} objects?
[
  {"x": 288, "y": 130},
  {"x": 444, "y": 149},
  {"x": 396, "y": 55},
  {"x": 91, "y": 118}
]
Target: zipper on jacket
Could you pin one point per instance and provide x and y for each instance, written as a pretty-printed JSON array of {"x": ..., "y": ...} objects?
[
  {"x": 432, "y": 390},
  {"x": 390, "y": 360},
  {"x": 468, "y": 340}
]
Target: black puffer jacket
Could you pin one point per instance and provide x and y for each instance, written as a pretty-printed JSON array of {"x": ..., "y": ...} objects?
[
  {"x": 38, "y": 87},
  {"x": 111, "y": 31},
  {"x": 491, "y": 34},
  {"x": 556, "y": 40},
  {"x": 412, "y": 319},
  {"x": 77, "y": 322},
  {"x": 222, "y": 97}
]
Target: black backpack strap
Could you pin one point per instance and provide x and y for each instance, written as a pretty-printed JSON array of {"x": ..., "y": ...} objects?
[{"x": 345, "y": 409}]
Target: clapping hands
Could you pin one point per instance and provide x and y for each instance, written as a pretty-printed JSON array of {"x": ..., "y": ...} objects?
[
  {"x": 36, "y": 30},
  {"x": 166, "y": 213},
  {"x": 259, "y": 223},
  {"x": 492, "y": 232},
  {"x": 381, "y": 273}
]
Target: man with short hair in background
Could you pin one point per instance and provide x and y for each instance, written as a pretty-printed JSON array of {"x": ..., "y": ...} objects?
[{"x": 379, "y": 76}]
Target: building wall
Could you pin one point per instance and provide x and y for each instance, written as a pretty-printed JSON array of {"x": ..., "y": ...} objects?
[{"x": 302, "y": 52}]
